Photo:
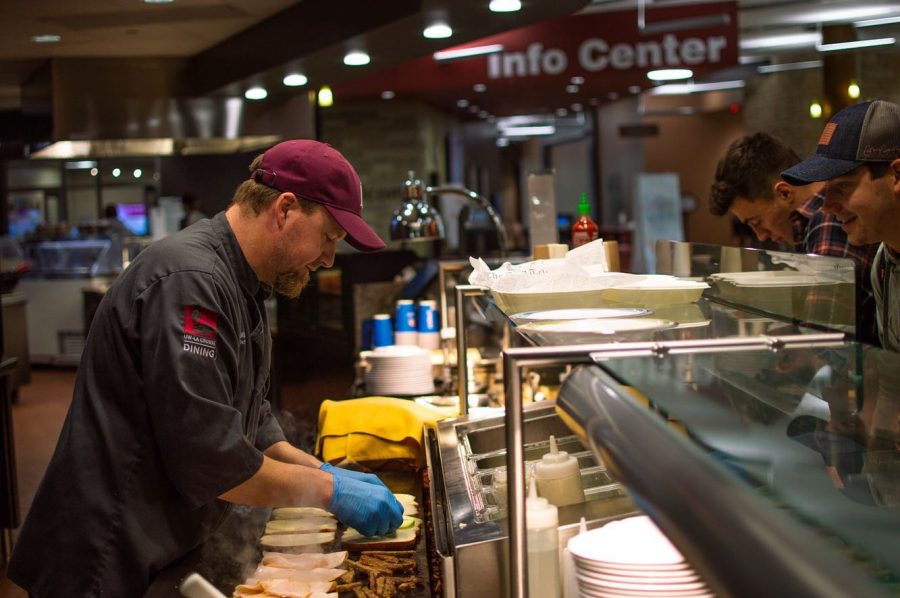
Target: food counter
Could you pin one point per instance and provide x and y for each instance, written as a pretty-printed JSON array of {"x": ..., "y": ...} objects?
[{"x": 755, "y": 436}]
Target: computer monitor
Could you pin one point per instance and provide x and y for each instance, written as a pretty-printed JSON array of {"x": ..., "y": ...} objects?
[{"x": 133, "y": 216}]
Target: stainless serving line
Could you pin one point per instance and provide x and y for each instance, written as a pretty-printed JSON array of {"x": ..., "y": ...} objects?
[{"x": 480, "y": 538}]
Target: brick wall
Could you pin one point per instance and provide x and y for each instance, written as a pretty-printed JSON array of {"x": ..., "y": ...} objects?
[{"x": 384, "y": 140}]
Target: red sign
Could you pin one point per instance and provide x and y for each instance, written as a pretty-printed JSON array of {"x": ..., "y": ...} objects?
[{"x": 597, "y": 53}]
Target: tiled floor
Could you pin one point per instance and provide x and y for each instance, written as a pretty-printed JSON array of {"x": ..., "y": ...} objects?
[
  {"x": 39, "y": 413},
  {"x": 37, "y": 419}
]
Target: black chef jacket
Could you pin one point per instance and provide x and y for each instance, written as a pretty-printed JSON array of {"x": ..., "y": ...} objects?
[{"x": 168, "y": 412}]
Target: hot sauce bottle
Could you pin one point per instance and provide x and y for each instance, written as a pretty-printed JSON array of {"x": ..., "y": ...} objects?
[{"x": 584, "y": 230}]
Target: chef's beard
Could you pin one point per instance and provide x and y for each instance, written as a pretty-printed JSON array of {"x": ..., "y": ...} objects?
[{"x": 290, "y": 284}]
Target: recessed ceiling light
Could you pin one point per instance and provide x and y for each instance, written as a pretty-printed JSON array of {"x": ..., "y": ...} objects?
[
  {"x": 484, "y": 114},
  {"x": 561, "y": 112},
  {"x": 356, "y": 58},
  {"x": 612, "y": 96},
  {"x": 788, "y": 40},
  {"x": 502, "y": 141},
  {"x": 576, "y": 80},
  {"x": 479, "y": 88},
  {"x": 577, "y": 107},
  {"x": 468, "y": 52},
  {"x": 256, "y": 93},
  {"x": 137, "y": 173},
  {"x": 116, "y": 172},
  {"x": 634, "y": 89},
  {"x": 877, "y": 22},
  {"x": 474, "y": 109},
  {"x": 571, "y": 88},
  {"x": 670, "y": 74},
  {"x": 505, "y": 5},
  {"x": 295, "y": 80},
  {"x": 860, "y": 43},
  {"x": 47, "y": 38},
  {"x": 462, "y": 103},
  {"x": 387, "y": 94},
  {"x": 438, "y": 31},
  {"x": 527, "y": 131}
]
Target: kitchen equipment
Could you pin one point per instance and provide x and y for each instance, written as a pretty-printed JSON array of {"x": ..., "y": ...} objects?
[
  {"x": 196, "y": 586},
  {"x": 467, "y": 466}
]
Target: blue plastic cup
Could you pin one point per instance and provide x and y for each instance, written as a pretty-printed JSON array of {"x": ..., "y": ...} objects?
[
  {"x": 382, "y": 330},
  {"x": 405, "y": 316},
  {"x": 405, "y": 323},
  {"x": 427, "y": 320},
  {"x": 429, "y": 334}
]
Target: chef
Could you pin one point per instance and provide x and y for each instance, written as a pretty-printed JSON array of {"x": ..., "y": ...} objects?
[{"x": 169, "y": 425}]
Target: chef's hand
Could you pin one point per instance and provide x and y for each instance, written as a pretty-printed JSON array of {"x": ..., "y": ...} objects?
[
  {"x": 368, "y": 478},
  {"x": 368, "y": 508}
]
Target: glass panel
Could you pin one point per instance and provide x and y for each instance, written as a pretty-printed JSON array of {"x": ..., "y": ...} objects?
[
  {"x": 817, "y": 290},
  {"x": 814, "y": 430}
]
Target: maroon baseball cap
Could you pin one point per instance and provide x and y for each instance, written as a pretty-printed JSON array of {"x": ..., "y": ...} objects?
[{"x": 317, "y": 172}]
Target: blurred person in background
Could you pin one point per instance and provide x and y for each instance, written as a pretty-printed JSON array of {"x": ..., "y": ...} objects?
[{"x": 192, "y": 211}]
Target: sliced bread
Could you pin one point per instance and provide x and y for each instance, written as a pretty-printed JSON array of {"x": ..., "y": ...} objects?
[
  {"x": 402, "y": 539},
  {"x": 305, "y": 525},
  {"x": 299, "y": 512},
  {"x": 314, "y": 542}
]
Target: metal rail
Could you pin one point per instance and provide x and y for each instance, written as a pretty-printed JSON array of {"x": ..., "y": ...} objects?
[
  {"x": 462, "y": 359},
  {"x": 796, "y": 561}
]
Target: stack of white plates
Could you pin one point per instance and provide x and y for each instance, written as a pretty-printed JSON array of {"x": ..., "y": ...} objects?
[
  {"x": 632, "y": 558},
  {"x": 399, "y": 370}
]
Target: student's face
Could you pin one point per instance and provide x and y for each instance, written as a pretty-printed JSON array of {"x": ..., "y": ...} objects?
[
  {"x": 770, "y": 219},
  {"x": 306, "y": 243},
  {"x": 868, "y": 208}
]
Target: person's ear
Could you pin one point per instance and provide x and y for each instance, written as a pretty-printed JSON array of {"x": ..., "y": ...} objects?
[
  {"x": 782, "y": 191},
  {"x": 895, "y": 172},
  {"x": 284, "y": 203}
]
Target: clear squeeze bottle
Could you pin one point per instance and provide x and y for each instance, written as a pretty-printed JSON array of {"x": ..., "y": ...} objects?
[
  {"x": 584, "y": 230},
  {"x": 542, "y": 537},
  {"x": 559, "y": 477}
]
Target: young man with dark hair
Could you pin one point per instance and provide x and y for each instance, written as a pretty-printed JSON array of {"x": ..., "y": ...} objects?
[
  {"x": 858, "y": 156},
  {"x": 748, "y": 184}
]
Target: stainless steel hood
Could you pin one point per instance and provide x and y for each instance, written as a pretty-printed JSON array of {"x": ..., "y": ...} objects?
[{"x": 109, "y": 108}]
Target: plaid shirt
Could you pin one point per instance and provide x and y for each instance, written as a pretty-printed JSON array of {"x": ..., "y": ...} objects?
[{"x": 816, "y": 232}]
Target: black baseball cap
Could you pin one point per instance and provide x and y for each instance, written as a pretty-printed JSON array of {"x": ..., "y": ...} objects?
[{"x": 864, "y": 132}]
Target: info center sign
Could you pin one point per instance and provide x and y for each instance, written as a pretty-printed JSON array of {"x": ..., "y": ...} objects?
[{"x": 604, "y": 51}]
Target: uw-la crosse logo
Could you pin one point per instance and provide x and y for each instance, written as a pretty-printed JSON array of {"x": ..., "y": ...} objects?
[{"x": 200, "y": 331}]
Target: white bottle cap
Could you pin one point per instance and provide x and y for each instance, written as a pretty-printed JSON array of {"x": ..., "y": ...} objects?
[
  {"x": 539, "y": 513},
  {"x": 556, "y": 464}
]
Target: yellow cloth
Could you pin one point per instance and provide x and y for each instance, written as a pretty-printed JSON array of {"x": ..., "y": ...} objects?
[{"x": 374, "y": 431}]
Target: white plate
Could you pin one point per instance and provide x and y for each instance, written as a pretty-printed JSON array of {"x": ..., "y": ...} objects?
[
  {"x": 593, "y": 331},
  {"x": 645, "y": 585},
  {"x": 584, "y": 313},
  {"x": 634, "y": 541}
]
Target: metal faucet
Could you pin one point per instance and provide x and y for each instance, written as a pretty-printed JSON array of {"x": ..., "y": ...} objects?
[{"x": 484, "y": 203}]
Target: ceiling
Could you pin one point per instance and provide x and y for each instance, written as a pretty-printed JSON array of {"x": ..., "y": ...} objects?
[{"x": 225, "y": 46}]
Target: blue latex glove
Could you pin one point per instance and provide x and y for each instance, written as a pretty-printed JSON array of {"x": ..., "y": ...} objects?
[
  {"x": 368, "y": 508},
  {"x": 368, "y": 478}
]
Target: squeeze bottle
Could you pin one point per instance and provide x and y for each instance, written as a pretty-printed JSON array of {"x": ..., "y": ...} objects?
[
  {"x": 558, "y": 477},
  {"x": 584, "y": 230},
  {"x": 542, "y": 537}
]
